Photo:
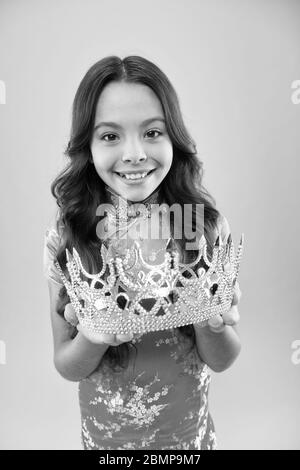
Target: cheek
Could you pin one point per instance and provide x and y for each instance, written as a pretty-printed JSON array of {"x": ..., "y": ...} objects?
[
  {"x": 167, "y": 154},
  {"x": 103, "y": 160},
  {"x": 168, "y": 151},
  {"x": 162, "y": 153}
]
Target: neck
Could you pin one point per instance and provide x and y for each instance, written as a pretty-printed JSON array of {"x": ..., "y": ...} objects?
[{"x": 153, "y": 198}]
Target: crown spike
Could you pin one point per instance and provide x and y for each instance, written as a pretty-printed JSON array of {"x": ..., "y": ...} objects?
[
  {"x": 242, "y": 239},
  {"x": 68, "y": 255},
  {"x": 220, "y": 239},
  {"x": 202, "y": 241}
]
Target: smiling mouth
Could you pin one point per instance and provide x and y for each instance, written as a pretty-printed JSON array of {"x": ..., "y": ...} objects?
[{"x": 123, "y": 176}]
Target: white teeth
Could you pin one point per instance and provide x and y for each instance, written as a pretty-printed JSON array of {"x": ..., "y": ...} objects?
[{"x": 133, "y": 176}]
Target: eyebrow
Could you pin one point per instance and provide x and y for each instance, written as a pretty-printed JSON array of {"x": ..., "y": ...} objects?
[{"x": 117, "y": 126}]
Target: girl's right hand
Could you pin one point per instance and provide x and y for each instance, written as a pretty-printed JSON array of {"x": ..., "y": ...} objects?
[
  {"x": 103, "y": 338},
  {"x": 111, "y": 339}
]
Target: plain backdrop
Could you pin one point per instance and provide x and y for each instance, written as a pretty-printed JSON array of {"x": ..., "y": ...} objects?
[{"x": 232, "y": 64}]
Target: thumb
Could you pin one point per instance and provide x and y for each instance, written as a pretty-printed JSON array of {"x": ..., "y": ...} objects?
[{"x": 216, "y": 323}]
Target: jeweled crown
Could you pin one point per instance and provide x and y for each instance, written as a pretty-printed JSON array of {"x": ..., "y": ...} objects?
[{"x": 152, "y": 297}]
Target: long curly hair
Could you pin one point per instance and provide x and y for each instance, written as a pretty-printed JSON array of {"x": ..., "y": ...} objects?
[{"x": 79, "y": 190}]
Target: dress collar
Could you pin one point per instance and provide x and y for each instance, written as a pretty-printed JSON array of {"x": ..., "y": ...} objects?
[{"x": 125, "y": 208}]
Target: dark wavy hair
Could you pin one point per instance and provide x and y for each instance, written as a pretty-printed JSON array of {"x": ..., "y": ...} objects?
[{"x": 79, "y": 190}]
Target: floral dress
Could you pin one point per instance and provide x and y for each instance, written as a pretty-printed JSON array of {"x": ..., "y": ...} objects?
[{"x": 159, "y": 402}]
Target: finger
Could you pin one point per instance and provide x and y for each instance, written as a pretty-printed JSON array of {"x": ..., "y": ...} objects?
[
  {"x": 124, "y": 337},
  {"x": 108, "y": 338},
  {"x": 237, "y": 294},
  {"x": 70, "y": 314},
  {"x": 231, "y": 317},
  {"x": 96, "y": 337},
  {"x": 215, "y": 322},
  {"x": 115, "y": 343}
]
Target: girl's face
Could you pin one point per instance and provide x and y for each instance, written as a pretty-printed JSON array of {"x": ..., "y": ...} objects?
[{"x": 130, "y": 137}]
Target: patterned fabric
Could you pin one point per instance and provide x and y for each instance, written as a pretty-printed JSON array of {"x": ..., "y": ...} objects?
[{"x": 159, "y": 402}]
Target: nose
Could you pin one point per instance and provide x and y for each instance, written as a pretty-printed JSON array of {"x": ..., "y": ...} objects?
[
  {"x": 135, "y": 159},
  {"x": 134, "y": 154}
]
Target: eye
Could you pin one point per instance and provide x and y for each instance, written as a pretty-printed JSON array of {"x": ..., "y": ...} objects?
[
  {"x": 106, "y": 135},
  {"x": 114, "y": 135},
  {"x": 154, "y": 130}
]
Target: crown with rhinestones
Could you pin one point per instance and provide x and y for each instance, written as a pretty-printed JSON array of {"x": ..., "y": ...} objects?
[{"x": 155, "y": 297}]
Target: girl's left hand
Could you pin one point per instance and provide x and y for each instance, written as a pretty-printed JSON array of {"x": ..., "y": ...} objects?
[{"x": 218, "y": 323}]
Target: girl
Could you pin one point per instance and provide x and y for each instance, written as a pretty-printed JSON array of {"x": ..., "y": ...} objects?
[{"x": 148, "y": 391}]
